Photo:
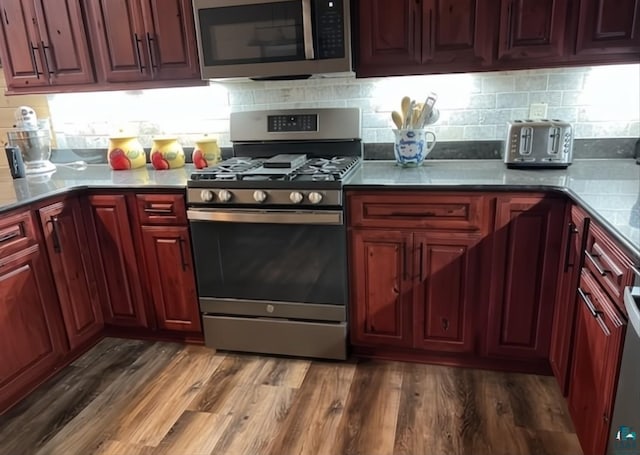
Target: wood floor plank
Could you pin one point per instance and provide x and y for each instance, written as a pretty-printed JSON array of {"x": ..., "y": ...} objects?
[
  {"x": 36, "y": 420},
  {"x": 92, "y": 426},
  {"x": 195, "y": 433},
  {"x": 542, "y": 442},
  {"x": 314, "y": 418},
  {"x": 256, "y": 421},
  {"x": 121, "y": 448},
  {"x": 368, "y": 424},
  {"x": 159, "y": 405},
  {"x": 283, "y": 372},
  {"x": 234, "y": 370},
  {"x": 547, "y": 411}
]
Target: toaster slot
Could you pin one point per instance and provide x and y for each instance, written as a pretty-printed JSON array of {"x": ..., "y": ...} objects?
[
  {"x": 555, "y": 136},
  {"x": 526, "y": 140}
]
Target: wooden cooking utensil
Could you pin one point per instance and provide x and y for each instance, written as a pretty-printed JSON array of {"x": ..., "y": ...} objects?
[
  {"x": 405, "y": 104},
  {"x": 397, "y": 119}
]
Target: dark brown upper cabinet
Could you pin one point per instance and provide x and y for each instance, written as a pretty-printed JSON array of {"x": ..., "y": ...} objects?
[
  {"x": 532, "y": 29},
  {"x": 44, "y": 43},
  {"x": 403, "y": 37},
  {"x": 608, "y": 27},
  {"x": 145, "y": 40}
]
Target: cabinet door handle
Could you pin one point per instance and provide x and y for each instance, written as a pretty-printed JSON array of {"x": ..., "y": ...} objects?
[
  {"x": 592, "y": 258},
  {"x": 509, "y": 41},
  {"x": 152, "y": 210},
  {"x": 137, "y": 40},
  {"x": 6, "y": 18},
  {"x": 46, "y": 48},
  {"x": 9, "y": 236},
  {"x": 182, "y": 257},
  {"x": 432, "y": 33},
  {"x": 150, "y": 47},
  {"x": 404, "y": 260},
  {"x": 54, "y": 234},
  {"x": 567, "y": 254},
  {"x": 421, "y": 258},
  {"x": 597, "y": 314},
  {"x": 34, "y": 62}
]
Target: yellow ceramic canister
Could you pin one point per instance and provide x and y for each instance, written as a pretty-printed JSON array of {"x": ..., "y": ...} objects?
[
  {"x": 206, "y": 152},
  {"x": 166, "y": 153},
  {"x": 125, "y": 152}
]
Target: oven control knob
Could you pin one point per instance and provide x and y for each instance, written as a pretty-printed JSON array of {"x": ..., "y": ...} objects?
[
  {"x": 296, "y": 197},
  {"x": 315, "y": 197},
  {"x": 206, "y": 195},
  {"x": 259, "y": 196},
  {"x": 224, "y": 195}
]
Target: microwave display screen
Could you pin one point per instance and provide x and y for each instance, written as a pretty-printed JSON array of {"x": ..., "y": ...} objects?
[{"x": 252, "y": 33}]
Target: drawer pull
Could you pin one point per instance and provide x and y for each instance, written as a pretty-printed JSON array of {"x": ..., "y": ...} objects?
[
  {"x": 597, "y": 314},
  {"x": 54, "y": 234},
  {"x": 567, "y": 254},
  {"x": 151, "y": 210},
  {"x": 9, "y": 236},
  {"x": 592, "y": 258},
  {"x": 414, "y": 214}
]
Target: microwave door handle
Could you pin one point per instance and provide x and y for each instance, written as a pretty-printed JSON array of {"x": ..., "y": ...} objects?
[{"x": 307, "y": 30}]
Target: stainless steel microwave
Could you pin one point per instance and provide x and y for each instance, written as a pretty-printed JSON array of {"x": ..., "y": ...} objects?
[{"x": 272, "y": 38}]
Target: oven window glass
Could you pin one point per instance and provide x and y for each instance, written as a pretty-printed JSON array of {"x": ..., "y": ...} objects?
[
  {"x": 259, "y": 33},
  {"x": 279, "y": 262}
]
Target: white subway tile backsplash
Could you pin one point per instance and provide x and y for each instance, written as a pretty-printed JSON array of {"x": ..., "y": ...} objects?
[
  {"x": 504, "y": 100},
  {"x": 599, "y": 101}
]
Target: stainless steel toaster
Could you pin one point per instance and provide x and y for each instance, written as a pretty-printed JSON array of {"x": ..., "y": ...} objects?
[{"x": 539, "y": 143}]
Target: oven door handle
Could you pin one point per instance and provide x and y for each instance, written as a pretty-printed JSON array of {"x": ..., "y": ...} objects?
[
  {"x": 307, "y": 31},
  {"x": 326, "y": 217}
]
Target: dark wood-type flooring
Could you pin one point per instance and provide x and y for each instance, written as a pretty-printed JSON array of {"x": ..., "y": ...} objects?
[{"x": 131, "y": 397}]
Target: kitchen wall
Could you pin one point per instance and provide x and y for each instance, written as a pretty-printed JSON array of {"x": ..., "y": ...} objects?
[
  {"x": 8, "y": 105},
  {"x": 600, "y": 101}
]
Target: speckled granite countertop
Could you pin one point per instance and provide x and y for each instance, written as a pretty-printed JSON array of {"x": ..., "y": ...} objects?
[{"x": 608, "y": 189}]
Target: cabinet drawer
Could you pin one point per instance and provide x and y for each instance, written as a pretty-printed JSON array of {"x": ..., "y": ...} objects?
[
  {"x": 161, "y": 209},
  {"x": 608, "y": 264},
  {"x": 426, "y": 211},
  {"x": 16, "y": 233}
]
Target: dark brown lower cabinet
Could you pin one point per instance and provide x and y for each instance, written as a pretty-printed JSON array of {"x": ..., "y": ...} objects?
[
  {"x": 32, "y": 339},
  {"x": 413, "y": 290},
  {"x": 66, "y": 239},
  {"x": 116, "y": 265},
  {"x": 597, "y": 350},
  {"x": 171, "y": 277},
  {"x": 524, "y": 268}
]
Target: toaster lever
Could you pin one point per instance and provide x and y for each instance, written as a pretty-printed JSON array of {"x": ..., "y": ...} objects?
[
  {"x": 526, "y": 140},
  {"x": 554, "y": 141}
]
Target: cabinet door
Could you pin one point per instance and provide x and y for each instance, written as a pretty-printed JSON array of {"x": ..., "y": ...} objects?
[
  {"x": 444, "y": 306},
  {"x": 596, "y": 365},
  {"x": 66, "y": 240},
  {"x": 390, "y": 37},
  {"x": 170, "y": 39},
  {"x": 566, "y": 299},
  {"x": 531, "y": 29},
  {"x": 115, "y": 261},
  {"x": 63, "y": 42},
  {"x": 606, "y": 27},
  {"x": 31, "y": 332},
  {"x": 381, "y": 295},
  {"x": 120, "y": 43},
  {"x": 21, "y": 58},
  {"x": 526, "y": 252},
  {"x": 171, "y": 277},
  {"x": 456, "y": 32}
]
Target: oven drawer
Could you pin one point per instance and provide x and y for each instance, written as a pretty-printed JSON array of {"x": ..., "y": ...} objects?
[
  {"x": 161, "y": 209},
  {"x": 459, "y": 212},
  {"x": 276, "y": 336},
  {"x": 258, "y": 308},
  {"x": 610, "y": 266},
  {"x": 16, "y": 233}
]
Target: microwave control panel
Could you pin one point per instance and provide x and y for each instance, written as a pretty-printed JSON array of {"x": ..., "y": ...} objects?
[{"x": 329, "y": 24}]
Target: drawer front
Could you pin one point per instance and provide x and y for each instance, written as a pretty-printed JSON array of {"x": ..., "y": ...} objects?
[
  {"x": 16, "y": 233},
  {"x": 426, "y": 211},
  {"x": 276, "y": 336},
  {"x": 162, "y": 209},
  {"x": 608, "y": 264}
]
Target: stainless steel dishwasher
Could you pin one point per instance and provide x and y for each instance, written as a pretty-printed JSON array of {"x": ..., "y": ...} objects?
[{"x": 625, "y": 423}]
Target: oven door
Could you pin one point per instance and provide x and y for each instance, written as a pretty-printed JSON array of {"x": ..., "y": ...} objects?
[
  {"x": 252, "y": 33},
  {"x": 271, "y": 256}
]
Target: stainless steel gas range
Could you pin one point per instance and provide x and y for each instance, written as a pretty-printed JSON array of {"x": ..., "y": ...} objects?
[{"x": 269, "y": 235}]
